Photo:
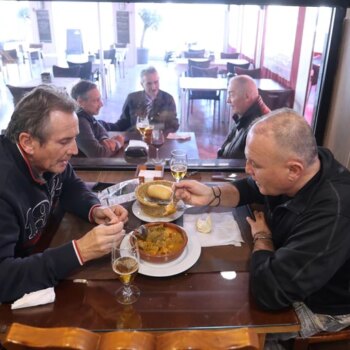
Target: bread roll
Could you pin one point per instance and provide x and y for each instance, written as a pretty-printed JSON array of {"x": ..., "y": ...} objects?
[{"x": 159, "y": 192}]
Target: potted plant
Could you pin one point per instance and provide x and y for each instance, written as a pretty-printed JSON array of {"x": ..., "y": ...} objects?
[{"x": 151, "y": 20}]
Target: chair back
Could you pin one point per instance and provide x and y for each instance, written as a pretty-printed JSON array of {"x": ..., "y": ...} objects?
[
  {"x": 198, "y": 72},
  {"x": 85, "y": 69},
  {"x": 194, "y": 53},
  {"x": 108, "y": 55},
  {"x": 254, "y": 73},
  {"x": 278, "y": 99},
  {"x": 18, "y": 92},
  {"x": 9, "y": 56},
  {"x": 21, "y": 337},
  {"x": 231, "y": 67},
  {"x": 63, "y": 72},
  {"x": 229, "y": 55},
  {"x": 200, "y": 64}
]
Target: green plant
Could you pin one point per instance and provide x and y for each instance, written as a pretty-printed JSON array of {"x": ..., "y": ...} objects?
[{"x": 151, "y": 20}]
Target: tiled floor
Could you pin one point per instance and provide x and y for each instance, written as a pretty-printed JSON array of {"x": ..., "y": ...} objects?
[{"x": 209, "y": 131}]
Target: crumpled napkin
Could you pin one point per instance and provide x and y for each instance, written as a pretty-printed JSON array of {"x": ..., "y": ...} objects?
[
  {"x": 224, "y": 230},
  {"x": 40, "y": 297},
  {"x": 175, "y": 136}
]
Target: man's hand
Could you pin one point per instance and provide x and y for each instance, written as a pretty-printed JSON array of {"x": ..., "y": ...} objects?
[
  {"x": 109, "y": 215},
  {"x": 193, "y": 192},
  {"x": 109, "y": 144},
  {"x": 99, "y": 241},
  {"x": 120, "y": 139}
]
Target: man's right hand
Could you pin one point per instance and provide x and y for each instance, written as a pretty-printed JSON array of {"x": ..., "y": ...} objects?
[
  {"x": 193, "y": 192},
  {"x": 98, "y": 242}
]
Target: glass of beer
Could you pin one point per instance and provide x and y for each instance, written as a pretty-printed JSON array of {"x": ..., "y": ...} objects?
[
  {"x": 178, "y": 164},
  {"x": 125, "y": 263},
  {"x": 142, "y": 124}
]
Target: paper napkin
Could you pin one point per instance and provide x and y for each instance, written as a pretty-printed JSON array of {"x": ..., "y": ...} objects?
[
  {"x": 224, "y": 230},
  {"x": 40, "y": 297},
  {"x": 175, "y": 136}
]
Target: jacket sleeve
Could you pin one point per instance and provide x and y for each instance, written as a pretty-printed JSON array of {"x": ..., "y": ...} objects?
[
  {"x": 171, "y": 121},
  {"x": 20, "y": 275},
  {"x": 315, "y": 249},
  {"x": 90, "y": 144},
  {"x": 124, "y": 122}
]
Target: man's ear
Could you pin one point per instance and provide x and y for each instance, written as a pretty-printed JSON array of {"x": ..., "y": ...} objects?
[
  {"x": 26, "y": 142},
  {"x": 295, "y": 169}
]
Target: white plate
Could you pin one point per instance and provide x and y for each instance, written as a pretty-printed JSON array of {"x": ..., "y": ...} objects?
[
  {"x": 187, "y": 259},
  {"x": 138, "y": 212}
]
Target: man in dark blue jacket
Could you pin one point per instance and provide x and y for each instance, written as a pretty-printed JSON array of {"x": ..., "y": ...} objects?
[
  {"x": 35, "y": 176},
  {"x": 301, "y": 254}
]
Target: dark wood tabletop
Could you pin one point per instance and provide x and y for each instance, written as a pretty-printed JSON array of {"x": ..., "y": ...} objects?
[{"x": 200, "y": 297}]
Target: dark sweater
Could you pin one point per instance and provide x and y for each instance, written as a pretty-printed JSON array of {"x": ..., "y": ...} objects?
[
  {"x": 162, "y": 113},
  {"x": 311, "y": 235},
  {"x": 26, "y": 204}
]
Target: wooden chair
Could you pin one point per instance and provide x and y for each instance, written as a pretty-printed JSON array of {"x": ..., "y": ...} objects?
[
  {"x": 325, "y": 340},
  {"x": 278, "y": 99},
  {"x": 18, "y": 92},
  {"x": 229, "y": 339},
  {"x": 63, "y": 72},
  {"x": 23, "y": 337},
  {"x": 231, "y": 67},
  {"x": 254, "y": 73}
]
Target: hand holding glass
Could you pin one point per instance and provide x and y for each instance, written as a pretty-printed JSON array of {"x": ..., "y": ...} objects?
[
  {"x": 125, "y": 263},
  {"x": 178, "y": 164}
]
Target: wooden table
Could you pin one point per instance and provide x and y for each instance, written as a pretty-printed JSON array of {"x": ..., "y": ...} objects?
[{"x": 200, "y": 298}]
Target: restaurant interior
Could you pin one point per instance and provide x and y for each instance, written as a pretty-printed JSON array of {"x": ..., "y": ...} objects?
[{"x": 299, "y": 50}]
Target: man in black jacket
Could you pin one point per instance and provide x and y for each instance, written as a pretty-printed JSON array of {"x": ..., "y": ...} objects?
[
  {"x": 157, "y": 105},
  {"x": 301, "y": 254},
  {"x": 247, "y": 105},
  {"x": 35, "y": 177}
]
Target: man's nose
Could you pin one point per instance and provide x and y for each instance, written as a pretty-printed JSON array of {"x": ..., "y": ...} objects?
[{"x": 73, "y": 149}]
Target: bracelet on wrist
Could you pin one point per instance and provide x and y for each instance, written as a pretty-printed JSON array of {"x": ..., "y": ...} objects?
[
  {"x": 217, "y": 196},
  {"x": 262, "y": 235}
]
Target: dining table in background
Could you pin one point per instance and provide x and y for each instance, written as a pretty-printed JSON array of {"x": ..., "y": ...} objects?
[
  {"x": 213, "y": 293},
  {"x": 64, "y": 83}
]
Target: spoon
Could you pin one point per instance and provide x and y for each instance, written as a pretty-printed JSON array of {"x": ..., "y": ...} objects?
[
  {"x": 158, "y": 201},
  {"x": 141, "y": 232}
]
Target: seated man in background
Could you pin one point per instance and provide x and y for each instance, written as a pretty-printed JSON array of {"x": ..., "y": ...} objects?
[
  {"x": 157, "y": 105},
  {"x": 247, "y": 106},
  {"x": 36, "y": 177},
  {"x": 301, "y": 244},
  {"x": 93, "y": 139}
]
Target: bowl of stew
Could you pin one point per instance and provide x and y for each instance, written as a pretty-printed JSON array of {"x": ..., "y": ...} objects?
[{"x": 163, "y": 242}]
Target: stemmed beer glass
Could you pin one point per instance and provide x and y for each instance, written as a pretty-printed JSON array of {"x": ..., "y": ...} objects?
[
  {"x": 178, "y": 164},
  {"x": 125, "y": 263},
  {"x": 142, "y": 124}
]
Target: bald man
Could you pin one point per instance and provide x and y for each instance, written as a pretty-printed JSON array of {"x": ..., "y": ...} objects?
[
  {"x": 247, "y": 106},
  {"x": 301, "y": 254}
]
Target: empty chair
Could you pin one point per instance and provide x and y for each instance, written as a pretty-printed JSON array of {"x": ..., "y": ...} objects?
[
  {"x": 194, "y": 53},
  {"x": 194, "y": 63},
  {"x": 278, "y": 99},
  {"x": 85, "y": 69},
  {"x": 229, "y": 55},
  {"x": 254, "y": 73},
  {"x": 213, "y": 95},
  {"x": 10, "y": 57},
  {"x": 63, "y": 72},
  {"x": 231, "y": 67},
  {"x": 18, "y": 92},
  {"x": 108, "y": 55}
]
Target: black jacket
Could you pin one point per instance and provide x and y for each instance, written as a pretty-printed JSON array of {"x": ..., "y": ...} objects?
[
  {"x": 26, "y": 204},
  {"x": 311, "y": 235}
]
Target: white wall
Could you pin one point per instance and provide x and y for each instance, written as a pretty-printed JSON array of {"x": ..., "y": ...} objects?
[{"x": 337, "y": 136}]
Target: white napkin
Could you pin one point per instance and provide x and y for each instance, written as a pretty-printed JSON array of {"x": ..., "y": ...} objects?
[
  {"x": 40, "y": 297},
  {"x": 224, "y": 231},
  {"x": 138, "y": 143},
  {"x": 175, "y": 136}
]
